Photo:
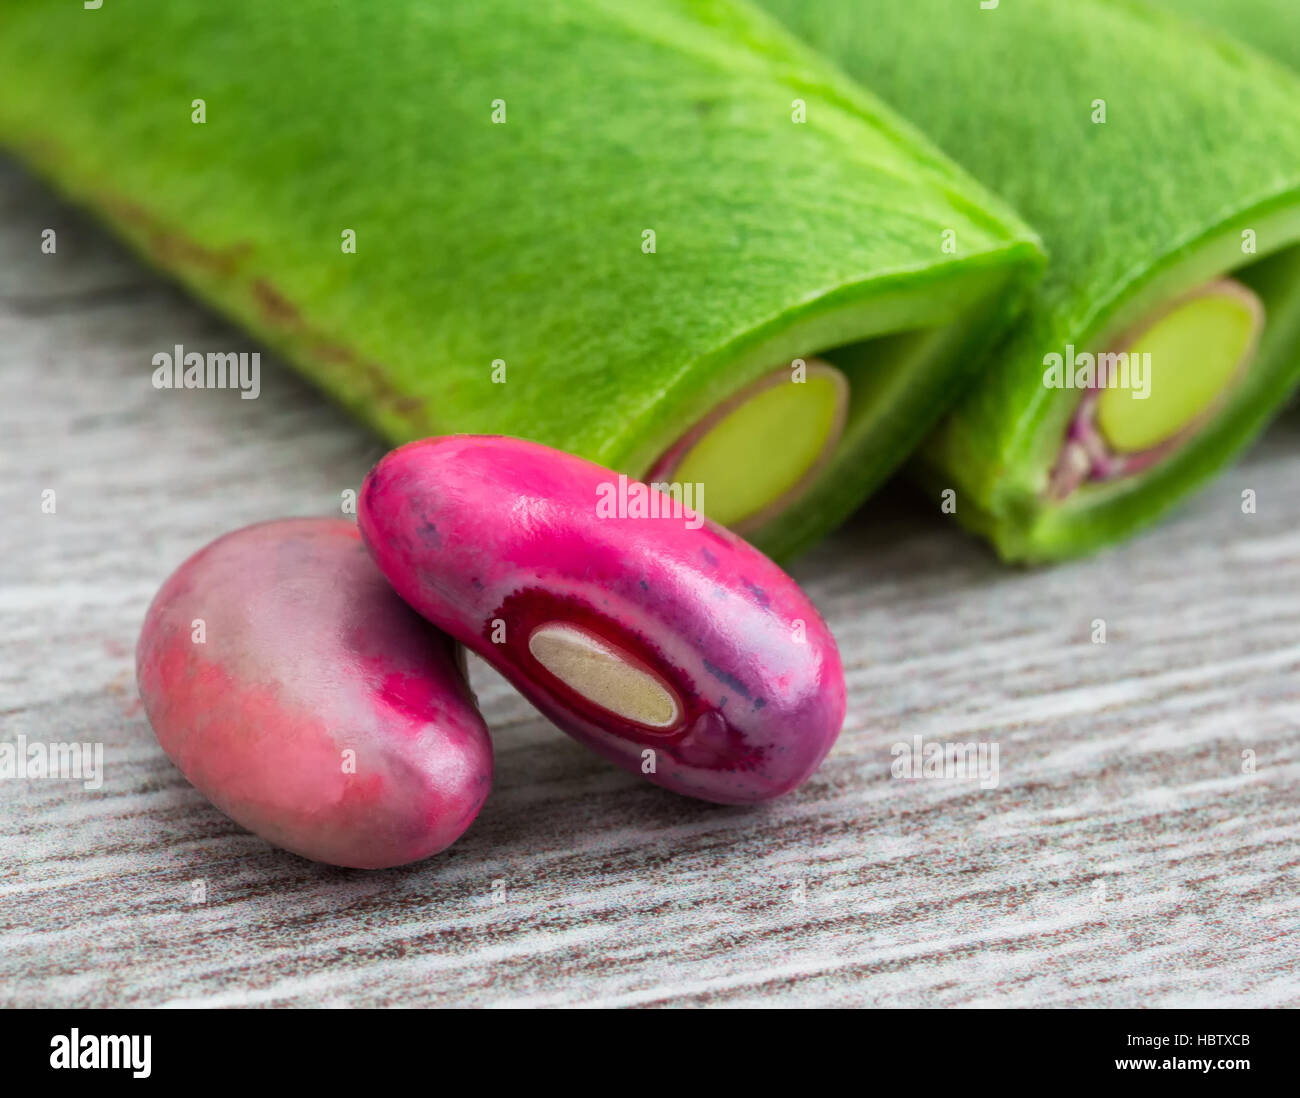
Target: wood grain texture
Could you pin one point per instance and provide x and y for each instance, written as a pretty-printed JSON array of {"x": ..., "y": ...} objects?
[{"x": 1124, "y": 858}]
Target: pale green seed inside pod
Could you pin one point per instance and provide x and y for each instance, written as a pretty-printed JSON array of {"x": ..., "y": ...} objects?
[
  {"x": 757, "y": 454},
  {"x": 1196, "y": 351}
]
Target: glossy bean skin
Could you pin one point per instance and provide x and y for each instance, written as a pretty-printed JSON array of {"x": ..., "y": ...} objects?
[
  {"x": 308, "y": 655},
  {"x": 491, "y": 538}
]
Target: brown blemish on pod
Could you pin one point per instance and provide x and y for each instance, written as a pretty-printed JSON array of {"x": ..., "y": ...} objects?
[{"x": 173, "y": 248}]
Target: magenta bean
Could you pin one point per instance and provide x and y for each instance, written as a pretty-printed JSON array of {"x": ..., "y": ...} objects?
[
  {"x": 665, "y": 643},
  {"x": 305, "y": 700}
]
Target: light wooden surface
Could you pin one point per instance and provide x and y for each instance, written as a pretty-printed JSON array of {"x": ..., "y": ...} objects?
[{"x": 1124, "y": 859}]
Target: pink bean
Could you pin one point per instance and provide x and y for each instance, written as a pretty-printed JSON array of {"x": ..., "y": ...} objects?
[
  {"x": 671, "y": 647},
  {"x": 303, "y": 698}
]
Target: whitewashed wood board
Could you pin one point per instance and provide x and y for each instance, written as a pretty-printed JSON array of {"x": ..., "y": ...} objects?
[{"x": 1127, "y": 857}]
